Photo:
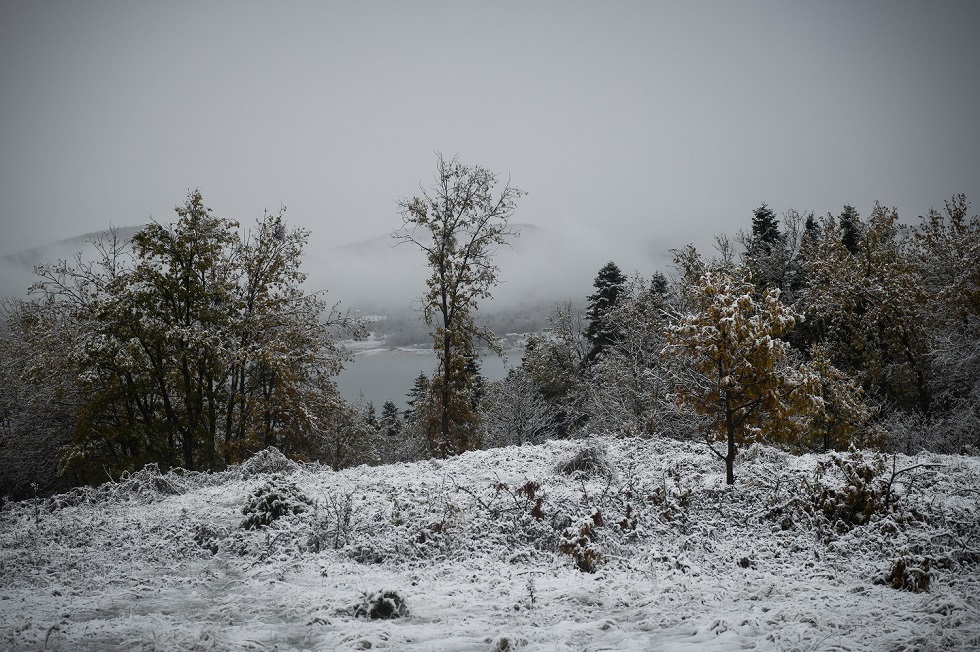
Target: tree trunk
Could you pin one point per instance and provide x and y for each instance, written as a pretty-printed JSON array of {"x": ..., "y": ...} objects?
[{"x": 732, "y": 450}]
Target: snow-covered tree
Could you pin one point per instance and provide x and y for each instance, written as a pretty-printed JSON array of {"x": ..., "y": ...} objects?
[
  {"x": 870, "y": 307},
  {"x": 514, "y": 412},
  {"x": 627, "y": 388},
  {"x": 554, "y": 363},
  {"x": 196, "y": 347},
  {"x": 39, "y": 395},
  {"x": 765, "y": 226},
  {"x": 603, "y": 331},
  {"x": 732, "y": 367}
]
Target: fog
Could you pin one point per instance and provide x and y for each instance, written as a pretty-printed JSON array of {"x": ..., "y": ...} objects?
[
  {"x": 634, "y": 127},
  {"x": 379, "y": 275}
]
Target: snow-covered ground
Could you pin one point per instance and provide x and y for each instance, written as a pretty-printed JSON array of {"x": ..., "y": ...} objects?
[{"x": 486, "y": 549}]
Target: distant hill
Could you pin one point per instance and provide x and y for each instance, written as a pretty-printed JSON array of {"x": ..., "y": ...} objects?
[
  {"x": 543, "y": 265},
  {"x": 17, "y": 269},
  {"x": 67, "y": 248}
]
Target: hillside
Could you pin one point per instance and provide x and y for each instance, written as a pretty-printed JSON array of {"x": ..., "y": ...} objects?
[{"x": 474, "y": 547}]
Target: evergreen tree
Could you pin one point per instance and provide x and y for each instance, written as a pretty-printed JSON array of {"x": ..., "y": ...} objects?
[
  {"x": 850, "y": 226},
  {"x": 417, "y": 396},
  {"x": 391, "y": 422},
  {"x": 765, "y": 226},
  {"x": 610, "y": 284}
]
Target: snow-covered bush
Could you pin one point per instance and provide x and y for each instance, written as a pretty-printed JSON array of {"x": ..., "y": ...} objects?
[
  {"x": 332, "y": 522},
  {"x": 590, "y": 461},
  {"x": 578, "y": 542},
  {"x": 850, "y": 489},
  {"x": 273, "y": 500},
  {"x": 267, "y": 461},
  {"x": 909, "y": 573},
  {"x": 208, "y": 537},
  {"x": 381, "y": 605},
  {"x": 148, "y": 482}
]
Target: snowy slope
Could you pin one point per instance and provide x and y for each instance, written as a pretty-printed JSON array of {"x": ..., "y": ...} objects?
[{"x": 473, "y": 545}]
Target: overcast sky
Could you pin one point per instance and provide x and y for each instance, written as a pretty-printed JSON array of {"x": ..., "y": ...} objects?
[{"x": 624, "y": 121}]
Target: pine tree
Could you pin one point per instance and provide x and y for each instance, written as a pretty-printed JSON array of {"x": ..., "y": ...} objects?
[
  {"x": 850, "y": 226},
  {"x": 601, "y": 332},
  {"x": 417, "y": 396},
  {"x": 765, "y": 226},
  {"x": 391, "y": 422}
]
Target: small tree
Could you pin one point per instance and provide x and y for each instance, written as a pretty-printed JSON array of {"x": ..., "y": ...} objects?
[
  {"x": 516, "y": 413},
  {"x": 734, "y": 369},
  {"x": 458, "y": 223},
  {"x": 391, "y": 421}
]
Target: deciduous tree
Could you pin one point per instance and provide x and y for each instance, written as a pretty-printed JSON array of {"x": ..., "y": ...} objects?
[
  {"x": 458, "y": 223},
  {"x": 733, "y": 368}
]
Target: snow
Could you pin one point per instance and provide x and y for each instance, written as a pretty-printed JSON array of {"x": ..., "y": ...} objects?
[{"x": 160, "y": 562}]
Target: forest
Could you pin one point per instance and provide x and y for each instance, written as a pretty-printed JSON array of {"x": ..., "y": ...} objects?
[{"x": 194, "y": 345}]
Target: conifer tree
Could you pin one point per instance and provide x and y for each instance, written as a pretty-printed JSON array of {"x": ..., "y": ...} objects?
[
  {"x": 765, "y": 226},
  {"x": 610, "y": 286},
  {"x": 391, "y": 422},
  {"x": 850, "y": 226}
]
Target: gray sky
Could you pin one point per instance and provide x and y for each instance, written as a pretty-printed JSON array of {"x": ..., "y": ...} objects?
[{"x": 624, "y": 121}]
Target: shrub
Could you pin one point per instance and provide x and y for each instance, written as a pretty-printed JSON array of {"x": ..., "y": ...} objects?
[
  {"x": 267, "y": 461},
  {"x": 579, "y": 544},
  {"x": 862, "y": 493},
  {"x": 380, "y": 605},
  {"x": 271, "y": 501},
  {"x": 588, "y": 462},
  {"x": 909, "y": 574}
]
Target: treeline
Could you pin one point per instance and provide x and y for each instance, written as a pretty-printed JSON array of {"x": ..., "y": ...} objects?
[
  {"x": 195, "y": 346},
  {"x": 809, "y": 333}
]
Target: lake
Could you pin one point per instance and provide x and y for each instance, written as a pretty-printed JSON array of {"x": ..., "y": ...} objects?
[{"x": 388, "y": 374}]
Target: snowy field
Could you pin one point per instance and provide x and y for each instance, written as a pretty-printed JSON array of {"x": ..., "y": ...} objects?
[{"x": 491, "y": 551}]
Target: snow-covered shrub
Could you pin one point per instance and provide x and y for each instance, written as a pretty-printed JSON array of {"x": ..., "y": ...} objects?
[
  {"x": 267, "y": 461},
  {"x": 207, "y": 536},
  {"x": 381, "y": 605},
  {"x": 672, "y": 498},
  {"x": 578, "y": 542},
  {"x": 148, "y": 482},
  {"x": 849, "y": 489},
  {"x": 909, "y": 573},
  {"x": 273, "y": 500},
  {"x": 332, "y": 522},
  {"x": 590, "y": 461},
  {"x": 507, "y": 644}
]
